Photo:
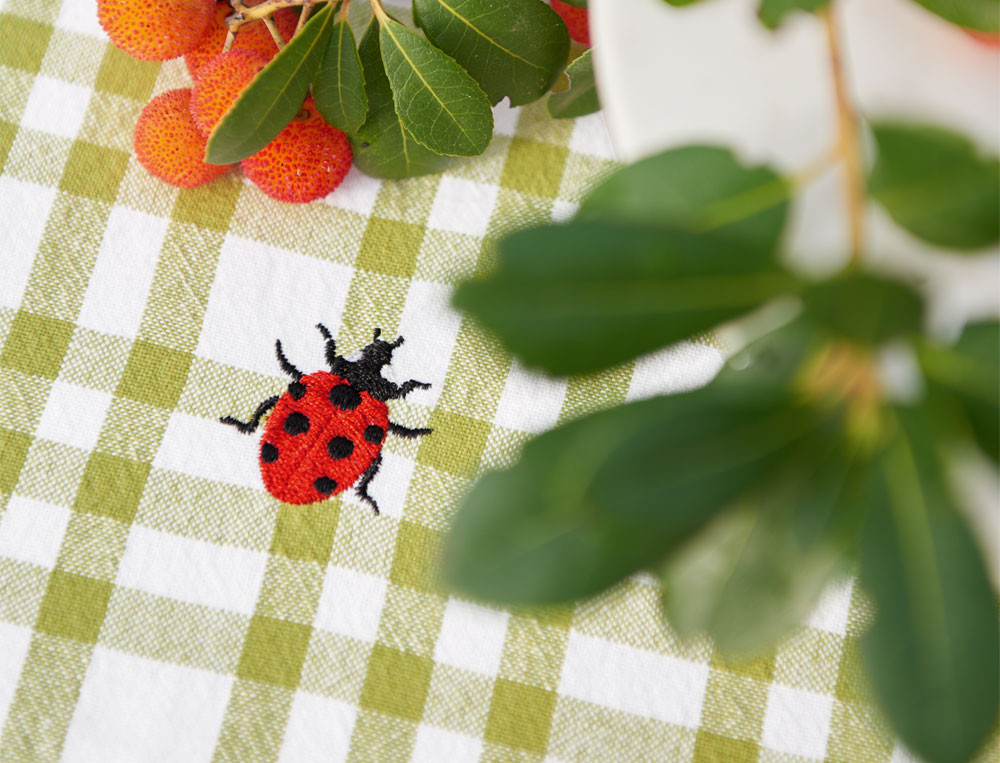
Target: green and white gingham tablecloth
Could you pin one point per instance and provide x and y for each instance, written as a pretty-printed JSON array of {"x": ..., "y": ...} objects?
[{"x": 157, "y": 604}]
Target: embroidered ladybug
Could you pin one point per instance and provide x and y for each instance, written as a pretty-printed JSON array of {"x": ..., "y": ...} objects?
[{"x": 327, "y": 430}]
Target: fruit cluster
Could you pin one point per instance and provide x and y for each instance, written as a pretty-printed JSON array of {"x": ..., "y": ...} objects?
[{"x": 306, "y": 161}]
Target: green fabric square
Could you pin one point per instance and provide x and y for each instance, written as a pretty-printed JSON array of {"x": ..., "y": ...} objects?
[
  {"x": 7, "y": 133},
  {"x": 520, "y": 716},
  {"x": 73, "y": 606},
  {"x": 123, "y": 75},
  {"x": 712, "y": 748},
  {"x": 734, "y": 706},
  {"x": 93, "y": 172},
  {"x": 23, "y": 42},
  {"x": 396, "y": 683},
  {"x": 416, "y": 556},
  {"x": 36, "y": 344},
  {"x": 534, "y": 167},
  {"x": 306, "y": 532},
  {"x": 13, "y": 450},
  {"x": 761, "y": 668},
  {"x": 274, "y": 651},
  {"x": 390, "y": 247},
  {"x": 154, "y": 374},
  {"x": 208, "y": 206},
  {"x": 852, "y": 686},
  {"x": 457, "y": 443},
  {"x": 111, "y": 487}
]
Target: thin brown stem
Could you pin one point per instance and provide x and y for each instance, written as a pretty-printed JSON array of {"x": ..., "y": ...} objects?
[
  {"x": 275, "y": 34},
  {"x": 303, "y": 17}
]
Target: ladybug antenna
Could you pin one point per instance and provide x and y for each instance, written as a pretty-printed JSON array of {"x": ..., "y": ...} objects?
[
  {"x": 377, "y": 334},
  {"x": 330, "y": 351}
]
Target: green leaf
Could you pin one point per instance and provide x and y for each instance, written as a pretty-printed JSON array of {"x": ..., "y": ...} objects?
[
  {"x": 973, "y": 14},
  {"x": 773, "y": 12},
  {"x": 611, "y": 493},
  {"x": 865, "y": 308},
  {"x": 932, "y": 653},
  {"x": 969, "y": 373},
  {"x": 935, "y": 184},
  {"x": 274, "y": 96},
  {"x": 339, "y": 89},
  {"x": 581, "y": 98},
  {"x": 382, "y": 147},
  {"x": 696, "y": 188},
  {"x": 576, "y": 3},
  {"x": 513, "y": 48},
  {"x": 577, "y": 297},
  {"x": 436, "y": 100}
]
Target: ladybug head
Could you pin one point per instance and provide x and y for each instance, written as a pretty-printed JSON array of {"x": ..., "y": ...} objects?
[
  {"x": 365, "y": 373},
  {"x": 379, "y": 353}
]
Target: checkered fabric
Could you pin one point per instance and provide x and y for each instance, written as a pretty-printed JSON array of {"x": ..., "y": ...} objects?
[{"x": 156, "y": 603}]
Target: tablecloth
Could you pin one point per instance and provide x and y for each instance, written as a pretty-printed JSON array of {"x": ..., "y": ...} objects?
[{"x": 157, "y": 604}]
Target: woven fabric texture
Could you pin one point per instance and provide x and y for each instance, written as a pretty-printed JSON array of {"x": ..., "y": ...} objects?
[{"x": 156, "y": 603}]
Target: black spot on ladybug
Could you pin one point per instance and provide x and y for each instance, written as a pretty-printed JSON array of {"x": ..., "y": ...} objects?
[
  {"x": 345, "y": 397},
  {"x": 325, "y": 485},
  {"x": 340, "y": 447},
  {"x": 296, "y": 390},
  {"x": 268, "y": 453},
  {"x": 297, "y": 423},
  {"x": 374, "y": 434}
]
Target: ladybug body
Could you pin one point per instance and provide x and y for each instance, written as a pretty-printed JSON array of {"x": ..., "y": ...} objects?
[{"x": 326, "y": 430}]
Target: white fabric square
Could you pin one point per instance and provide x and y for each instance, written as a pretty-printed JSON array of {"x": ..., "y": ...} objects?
[
  {"x": 389, "y": 486},
  {"x": 833, "y": 608},
  {"x": 505, "y": 118},
  {"x": 530, "y": 401},
  {"x": 118, "y": 285},
  {"x": 319, "y": 729},
  {"x": 26, "y": 207},
  {"x": 681, "y": 367},
  {"x": 205, "y": 448},
  {"x": 471, "y": 637},
  {"x": 634, "y": 681},
  {"x": 80, "y": 16},
  {"x": 434, "y": 745},
  {"x": 351, "y": 603},
  {"x": 133, "y": 709},
  {"x": 73, "y": 415},
  {"x": 463, "y": 206},
  {"x": 15, "y": 640},
  {"x": 430, "y": 326},
  {"x": 590, "y": 136},
  {"x": 56, "y": 107},
  {"x": 356, "y": 194},
  {"x": 32, "y": 531},
  {"x": 563, "y": 211},
  {"x": 262, "y": 293},
  {"x": 195, "y": 571},
  {"x": 797, "y": 722}
]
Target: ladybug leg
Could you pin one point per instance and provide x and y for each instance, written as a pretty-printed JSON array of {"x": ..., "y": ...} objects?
[
  {"x": 330, "y": 351},
  {"x": 247, "y": 427},
  {"x": 401, "y": 431},
  {"x": 287, "y": 367},
  {"x": 406, "y": 388},
  {"x": 366, "y": 479}
]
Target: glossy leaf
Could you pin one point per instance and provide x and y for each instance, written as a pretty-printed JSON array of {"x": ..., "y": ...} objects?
[
  {"x": 436, "y": 100},
  {"x": 865, "y": 308},
  {"x": 382, "y": 147},
  {"x": 581, "y": 98},
  {"x": 773, "y": 12},
  {"x": 513, "y": 48},
  {"x": 582, "y": 296},
  {"x": 937, "y": 185},
  {"x": 603, "y": 496},
  {"x": 274, "y": 96},
  {"x": 972, "y": 14},
  {"x": 932, "y": 652},
  {"x": 339, "y": 89},
  {"x": 696, "y": 188}
]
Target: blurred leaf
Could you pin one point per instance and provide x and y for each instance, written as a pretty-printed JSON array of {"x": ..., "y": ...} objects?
[
  {"x": 582, "y": 296},
  {"x": 695, "y": 188},
  {"x": 339, "y": 89},
  {"x": 973, "y": 14},
  {"x": 773, "y": 12},
  {"x": 969, "y": 372},
  {"x": 436, "y": 100},
  {"x": 864, "y": 308},
  {"x": 935, "y": 184},
  {"x": 932, "y": 653},
  {"x": 274, "y": 96},
  {"x": 581, "y": 98},
  {"x": 603, "y": 496},
  {"x": 576, "y": 3},
  {"x": 513, "y": 48},
  {"x": 383, "y": 148}
]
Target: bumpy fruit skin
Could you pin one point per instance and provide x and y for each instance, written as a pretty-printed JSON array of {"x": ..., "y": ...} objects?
[
  {"x": 168, "y": 144},
  {"x": 219, "y": 83},
  {"x": 253, "y": 36},
  {"x": 576, "y": 21},
  {"x": 307, "y": 160},
  {"x": 155, "y": 31}
]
